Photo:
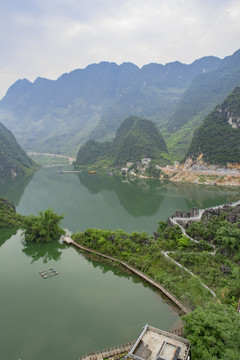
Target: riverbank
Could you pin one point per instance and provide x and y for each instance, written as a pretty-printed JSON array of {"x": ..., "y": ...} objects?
[
  {"x": 199, "y": 172},
  {"x": 155, "y": 284},
  {"x": 194, "y": 271}
]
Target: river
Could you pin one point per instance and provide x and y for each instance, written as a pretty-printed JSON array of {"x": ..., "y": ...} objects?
[{"x": 88, "y": 305}]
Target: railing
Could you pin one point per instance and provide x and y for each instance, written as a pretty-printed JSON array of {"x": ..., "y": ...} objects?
[
  {"x": 109, "y": 352},
  {"x": 178, "y": 332}
]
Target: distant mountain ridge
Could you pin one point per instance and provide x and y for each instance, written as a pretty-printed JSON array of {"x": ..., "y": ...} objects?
[
  {"x": 217, "y": 140},
  {"x": 136, "y": 138},
  {"x": 14, "y": 162},
  {"x": 60, "y": 115}
]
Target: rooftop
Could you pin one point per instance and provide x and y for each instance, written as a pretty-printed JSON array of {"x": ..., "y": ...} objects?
[{"x": 156, "y": 344}]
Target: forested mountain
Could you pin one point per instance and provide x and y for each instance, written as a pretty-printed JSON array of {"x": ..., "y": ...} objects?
[
  {"x": 205, "y": 92},
  {"x": 136, "y": 138},
  {"x": 217, "y": 140},
  {"x": 58, "y": 116},
  {"x": 14, "y": 162}
]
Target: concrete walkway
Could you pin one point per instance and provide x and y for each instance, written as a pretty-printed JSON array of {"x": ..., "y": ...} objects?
[{"x": 184, "y": 308}]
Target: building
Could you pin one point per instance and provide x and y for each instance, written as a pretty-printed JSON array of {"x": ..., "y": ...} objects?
[
  {"x": 156, "y": 344},
  {"x": 124, "y": 171},
  {"x": 146, "y": 161}
]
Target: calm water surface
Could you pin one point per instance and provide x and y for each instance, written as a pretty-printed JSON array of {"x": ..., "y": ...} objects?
[{"x": 89, "y": 305}]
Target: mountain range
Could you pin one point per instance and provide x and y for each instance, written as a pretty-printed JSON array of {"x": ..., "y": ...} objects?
[{"x": 60, "y": 115}]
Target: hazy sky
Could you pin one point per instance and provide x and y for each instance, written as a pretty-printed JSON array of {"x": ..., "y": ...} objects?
[{"x": 49, "y": 37}]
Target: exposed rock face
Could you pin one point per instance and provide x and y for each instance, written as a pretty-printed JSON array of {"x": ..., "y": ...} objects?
[
  {"x": 232, "y": 118},
  {"x": 232, "y": 216},
  {"x": 199, "y": 172},
  {"x": 225, "y": 269},
  {"x": 194, "y": 212}
]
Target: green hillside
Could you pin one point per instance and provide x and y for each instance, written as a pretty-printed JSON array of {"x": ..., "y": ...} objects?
[
  {"x": 205, "y": 92},
  {"x": 93, "y": 150},
  {"x": 14, "y": 162},
  {"x": 8, "y": 216},
  {"x": 218, "y": 138},
  {"x": 136, "y": 138}
]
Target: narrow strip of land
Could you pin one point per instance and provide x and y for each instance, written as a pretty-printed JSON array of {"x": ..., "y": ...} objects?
[
  {"x": 70, "y": 159},
  {"x": 184, "y": 308}
]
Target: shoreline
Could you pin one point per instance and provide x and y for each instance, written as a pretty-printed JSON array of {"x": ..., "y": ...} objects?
[{"x": 143, "y": 276}]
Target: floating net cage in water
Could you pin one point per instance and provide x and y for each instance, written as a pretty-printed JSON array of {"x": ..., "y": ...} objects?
[{"x": 48, "y": 273}]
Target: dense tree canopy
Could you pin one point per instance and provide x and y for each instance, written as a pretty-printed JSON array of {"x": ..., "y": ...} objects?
[
  {"x": 214, "y": 332},
  {"x": 8, "y": 216},
  {"x": 42, "y": 228},
  {"x": 216, "y": 138},
  {"x": 136, "y": 138}
]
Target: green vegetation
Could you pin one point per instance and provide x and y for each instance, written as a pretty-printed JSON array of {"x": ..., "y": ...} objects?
[
  {"x": 144, "y": 253},
  {"x": 220, "y": 271},
  {"x": 92, "y": 151},
  {"x": 217, "y": 230},
  {"x": 135, "y": 139},
  {"x": 8, "y": 216},
  {"x": 200, "y": 98},
  {"x": 214, "y": 332},
  {"x": 216, "y": 138},
  {"x": 42, "y": 228},
  {"x": 213, "y": 326},
  {"x": 14, "y": 162}
]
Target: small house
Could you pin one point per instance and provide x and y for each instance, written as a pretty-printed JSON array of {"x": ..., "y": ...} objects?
[{"x": 156, "y": 344}]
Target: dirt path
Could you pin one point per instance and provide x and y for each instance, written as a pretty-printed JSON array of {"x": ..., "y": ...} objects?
[{"x": 70, "y": 159}]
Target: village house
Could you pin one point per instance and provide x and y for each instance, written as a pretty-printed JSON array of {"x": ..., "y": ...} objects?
[{"x": 156, "y": 344}]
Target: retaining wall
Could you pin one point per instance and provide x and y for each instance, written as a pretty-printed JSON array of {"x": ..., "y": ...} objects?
[
  {"x": 184, "y": 308},
  {"x": 106, "y": 353}
]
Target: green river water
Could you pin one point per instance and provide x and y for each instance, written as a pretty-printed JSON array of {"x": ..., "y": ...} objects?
[{"x": 88, "y": 305}]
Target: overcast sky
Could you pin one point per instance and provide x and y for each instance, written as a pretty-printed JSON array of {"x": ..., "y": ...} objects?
[{"x": 49, "y": 37}]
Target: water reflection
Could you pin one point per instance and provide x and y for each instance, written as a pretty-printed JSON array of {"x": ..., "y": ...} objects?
[
  {"x": 5, "y": 234},
  {"x": 45, "y": 251},
  {"x": 139, "y": 197},
  {"x": 143, "y": 197},
  {"x": 203, "y": 196},
  {"x": 14, "y": 189}
]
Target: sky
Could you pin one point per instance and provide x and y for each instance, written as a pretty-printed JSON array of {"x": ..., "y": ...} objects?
[{"x": 47, "y": 38}]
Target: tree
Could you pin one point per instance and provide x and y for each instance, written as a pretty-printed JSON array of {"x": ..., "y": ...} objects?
[
  {"x": 228, "y": 237},
  {"x": 42, "y": 228},
  {"x": 214, "y": 332}
]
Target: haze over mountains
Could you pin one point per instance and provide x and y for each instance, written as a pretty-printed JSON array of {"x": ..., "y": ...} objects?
[{"x": 60, "y": 115}]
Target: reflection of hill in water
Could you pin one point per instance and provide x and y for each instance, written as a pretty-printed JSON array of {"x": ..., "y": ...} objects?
[
  {"x": 13, "y": 190},
  {"x": 138, "y": 197},
  {"x": 143, "y": 197},
  {"x": 44, "y": 251},
  {"x": 203, "y": 196},
  {"x": 5, "y": 234}
]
